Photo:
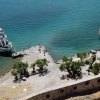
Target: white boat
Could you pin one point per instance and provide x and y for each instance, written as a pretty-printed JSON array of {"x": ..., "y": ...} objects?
[
  {"x": 2, "y": 34},
  {"x": 5, "y": 45}
]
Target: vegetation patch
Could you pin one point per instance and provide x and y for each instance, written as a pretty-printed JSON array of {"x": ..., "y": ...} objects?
[{"x": 74, "y": 68}]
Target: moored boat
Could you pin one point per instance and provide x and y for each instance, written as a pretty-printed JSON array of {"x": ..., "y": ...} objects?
[{"x": 6, "y": 47}]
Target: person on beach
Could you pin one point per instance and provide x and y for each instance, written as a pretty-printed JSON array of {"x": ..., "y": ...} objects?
[
  {"x": 40, "y": 48},
  {"x": 45, "y": 51}
]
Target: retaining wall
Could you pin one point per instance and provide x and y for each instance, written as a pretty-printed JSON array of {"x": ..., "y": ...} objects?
[{"x": 68, "y": 91}]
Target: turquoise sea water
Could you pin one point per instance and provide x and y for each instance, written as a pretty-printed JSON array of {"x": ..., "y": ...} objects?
[{"x": 64, "y": 26}]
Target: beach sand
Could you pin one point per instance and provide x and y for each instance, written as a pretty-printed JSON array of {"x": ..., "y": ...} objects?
[
  {"x": 10, "y": 90},
  {"x": 36, "y": 84}
]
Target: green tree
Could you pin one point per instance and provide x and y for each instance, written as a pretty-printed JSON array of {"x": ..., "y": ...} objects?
[
  {"x": 82, "y": 55},
  {"x": 41, "y": 63},
  {"x": 96, "y": 68},
  {"x": 33, "y": 66},
  {"x": 21, "y": 69},
  {"x": 87, "y": 62},
  {"x": 76, "y": 69},
  {"x": 65, "y": 58},
  {"x": 62, "y": 67},
  {"x": 15, "y": 74},
  {"x": 73, "y": 68},
  {"x": 93, "y": 58}
]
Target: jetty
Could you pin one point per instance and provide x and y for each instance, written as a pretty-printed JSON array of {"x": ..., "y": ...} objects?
[{"x": 17, "y": 54}]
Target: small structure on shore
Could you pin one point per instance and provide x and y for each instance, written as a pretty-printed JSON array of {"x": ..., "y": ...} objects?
[
  {"x": 93, "y": 51},
  {"x": 6, "y": 47}
]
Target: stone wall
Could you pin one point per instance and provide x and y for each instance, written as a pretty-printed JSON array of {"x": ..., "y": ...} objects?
[{"x": 72, "y": 90}]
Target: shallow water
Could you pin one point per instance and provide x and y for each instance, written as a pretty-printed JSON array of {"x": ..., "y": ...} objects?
[
  {"x": 6, "y": 64},
  {"x": 65, "y": 27}
]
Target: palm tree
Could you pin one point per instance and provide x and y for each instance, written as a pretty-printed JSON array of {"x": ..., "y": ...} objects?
[
  {"x": 21, "y": 69},
  {"x": 45, "y": 62},
  {"x": 33, "y": 66},
  {"x": 24, "y": 68},
  {"x": 16, "y": 69},
  {"x": 41, "y": 63},
  {"x": 15, "y": 74}
]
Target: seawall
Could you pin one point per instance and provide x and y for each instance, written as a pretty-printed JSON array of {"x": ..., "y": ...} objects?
[{"x": 81, "y": 88}]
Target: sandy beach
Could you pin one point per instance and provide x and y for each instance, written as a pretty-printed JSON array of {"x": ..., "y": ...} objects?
[
  {"x": 37, "y": 84},
  {"x": 8, "y": 88}
]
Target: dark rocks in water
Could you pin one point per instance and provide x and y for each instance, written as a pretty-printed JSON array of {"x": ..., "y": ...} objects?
[
  {"x": 11, "y": 54},
  {"x": 17, "y": 56},
  {"x": 6, "y": 54}
]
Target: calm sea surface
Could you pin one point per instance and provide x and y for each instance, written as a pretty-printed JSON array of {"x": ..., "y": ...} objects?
[{"x": 64, "y": 26}]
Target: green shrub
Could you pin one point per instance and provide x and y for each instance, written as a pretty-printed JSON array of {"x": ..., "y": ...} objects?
[
  {"x": 96, "y": 68},
  {"x": 87, "y": 62}
]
